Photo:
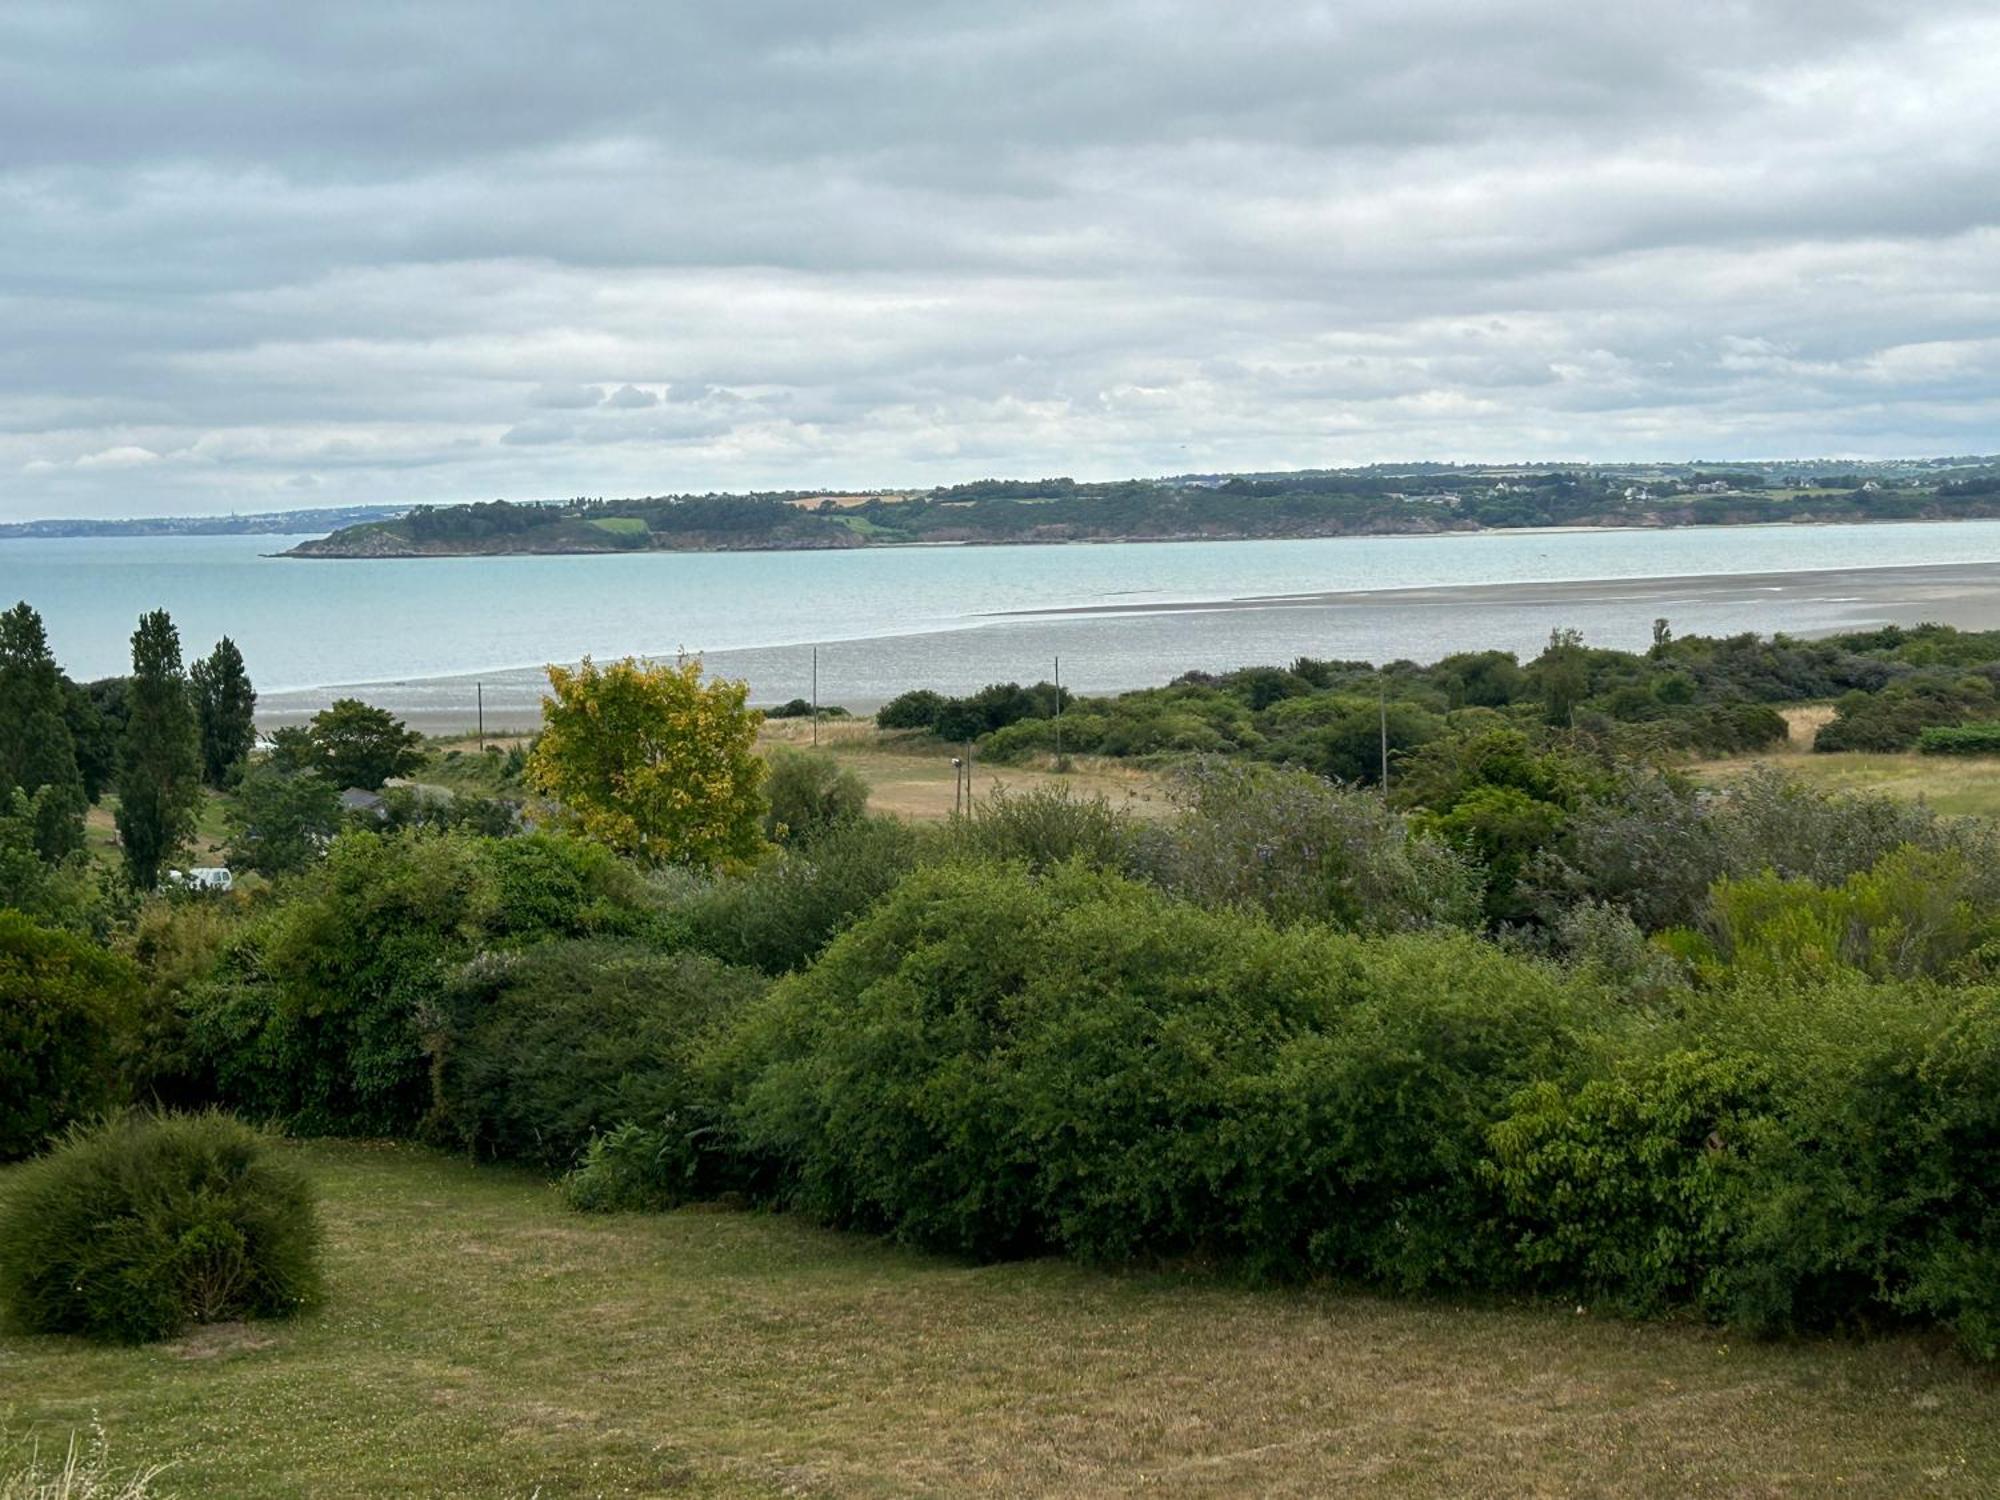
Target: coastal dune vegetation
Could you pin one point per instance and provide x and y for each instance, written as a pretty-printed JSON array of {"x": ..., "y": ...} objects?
[{"x": 1545, "y": 1023}]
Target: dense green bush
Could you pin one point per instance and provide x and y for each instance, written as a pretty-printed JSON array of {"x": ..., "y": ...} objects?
[
  {"x": 549, "y": 1047},
  {"x": 137, "y": 1228},
  {"x": 808, "y": 794},
  {"x": 1962, "y": 739},
  {"x": 324, "y": 1011},
  {"x": 916, "y": 709},
  {"x": 1046, "y": 826},
  {"x": 996, "y": 1064},
  {"x": 1300, "y": 849},
  {"x": 779, "y": 915},
  {"x": 63, "y": 1005}
]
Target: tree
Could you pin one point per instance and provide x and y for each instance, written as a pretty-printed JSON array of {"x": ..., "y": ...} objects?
[
  {"x": 357, "y": 744},
  {"x": 159, "y": 771},
  {"x": 281, "y": 822},
  {"x": 652, "y": 761},
  {"x": 226, "y": 704},
  {"x": 36, "y": 750},
  {"x": 1564, "y": 674}
]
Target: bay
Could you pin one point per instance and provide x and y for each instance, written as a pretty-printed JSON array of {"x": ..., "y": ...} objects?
[{"x": 416, "y": 634}]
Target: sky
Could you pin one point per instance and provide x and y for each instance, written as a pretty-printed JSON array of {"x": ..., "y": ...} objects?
[{"x": 254, "y": 257}]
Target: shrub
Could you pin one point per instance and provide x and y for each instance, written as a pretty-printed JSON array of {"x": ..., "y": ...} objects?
[
  {"x": 1299, "y": 848},
  {"x": 135, "y": 1229},
  {"x": 550, "y": 1047},
  {"x": 62, "y": 1005},
  {"x": 917, "y": 709},
  {"x": 997, "y": 1064},
  {"x": 1964, "y": 739},
  {"x": 1047, "y": 826},
  {"x": 781, "y": 914},
  {"x": 808, "y": 794}
]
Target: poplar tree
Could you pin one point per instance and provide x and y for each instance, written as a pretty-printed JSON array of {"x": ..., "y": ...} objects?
[
  {"x": 159, "y": 768},
  {"x": 226, "y": 705},
  {"x": 36, "y": 751}
]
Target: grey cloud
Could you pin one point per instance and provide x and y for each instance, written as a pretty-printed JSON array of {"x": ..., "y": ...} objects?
[
  {"x": 631, "y": 398},
  {"x": 894, "y": 242}
]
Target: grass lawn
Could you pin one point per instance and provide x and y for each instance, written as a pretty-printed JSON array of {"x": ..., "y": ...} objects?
[{"x": 479, "y": 1340}]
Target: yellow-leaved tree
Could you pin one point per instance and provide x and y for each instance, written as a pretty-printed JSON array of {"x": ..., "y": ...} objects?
[{"x": 651, "y": 760}]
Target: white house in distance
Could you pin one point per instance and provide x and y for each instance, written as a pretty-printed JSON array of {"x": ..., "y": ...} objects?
[{"x": 203, "y": 878}]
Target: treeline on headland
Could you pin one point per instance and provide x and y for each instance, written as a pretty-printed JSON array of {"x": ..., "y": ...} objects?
[
  {"x": 1550, "y": 1019},
  {"x": 1377, "y": 500}
]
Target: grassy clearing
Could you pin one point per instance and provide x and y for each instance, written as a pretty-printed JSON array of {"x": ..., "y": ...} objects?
[
  {"x": 1956, "y": 786},
  {"x": 911, "y": 776},
  {"x": 480, "y": 1340},
  {"x": 100, "y": 830}
]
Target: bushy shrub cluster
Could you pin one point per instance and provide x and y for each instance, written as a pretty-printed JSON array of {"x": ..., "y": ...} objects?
[
  {"x": 135, "y": 1229},
  {"x": 64, "y": 1004},
  {"x": 324, "y": 1012},
  {"x": 1962, "y": 739}
]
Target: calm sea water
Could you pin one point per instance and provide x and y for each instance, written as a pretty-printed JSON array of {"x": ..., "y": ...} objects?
[{"x": 420, "y": 631}]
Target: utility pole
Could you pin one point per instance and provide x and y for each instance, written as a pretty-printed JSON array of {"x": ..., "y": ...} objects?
[
  {"x": 1058, "y": 713},
  {"x": 1385, "y": 738},
  {"x": 815, "y": 697},
  {"x": 480, "y": 689}
]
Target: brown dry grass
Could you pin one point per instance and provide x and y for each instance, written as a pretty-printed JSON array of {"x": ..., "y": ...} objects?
[{"x": 910, "y": 775}]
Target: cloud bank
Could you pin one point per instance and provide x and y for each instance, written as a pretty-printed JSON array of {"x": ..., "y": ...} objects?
[{"x": 382, "y": 252}]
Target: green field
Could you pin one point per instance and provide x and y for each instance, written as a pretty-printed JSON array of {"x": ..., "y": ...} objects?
[
  {"x": 621, "y": 525},
  {"x": 479, "y": 1340},
  {"x": 1954, "y": 786}
]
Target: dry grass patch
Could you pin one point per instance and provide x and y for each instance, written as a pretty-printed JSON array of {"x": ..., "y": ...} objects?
[
  {"x": 479, "y": 1340},
  {"x": 910, "y": 775}
]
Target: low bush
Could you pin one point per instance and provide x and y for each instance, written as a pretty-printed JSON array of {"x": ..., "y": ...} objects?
[
  {"x": 547, "y": 1048},
  {"x": 135, "y": 1229},
  {"x": 1963, "y": 739},
  {"x": 63, "y": 1007},
  {"x": 807, "y": 794},
  {"x": 996, "y": 1064},
  {"x": 1046, "y": 826},
  {"x": 780, "y": 915},
  {"x": 1299, "y": 848}
]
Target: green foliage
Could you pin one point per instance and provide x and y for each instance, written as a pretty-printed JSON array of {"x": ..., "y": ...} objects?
[
  {"x": 280, "y": 821},
  {"x": 142, "y": 1226},
  {"x": 226, "y": 707},
  {"x": 806, "y": 794},
  {"x": 63, "y": 1003},
  {"x": 1502, "y": 828},
  {"x": 37, "y": 750},
  {"x": 353, "y": 744},
  {"x": 562, "y": 1042},
  {"x": 326, "y": 1012},
  {"x": 1626, "y": 1189},
  {"x": 62, "y": 893},
  {"x": 998, "y": 1064},
  {"x": 1962, "y": 739},
  {"x": 1301, "y": 849},
  {"x": 1917, "y": 913},
  {"x": 778, "y": 916},
  {"x": 159, "y": 768},
  {"x": 1047, "y": 826},
  {"x": 917, "y": 709}
]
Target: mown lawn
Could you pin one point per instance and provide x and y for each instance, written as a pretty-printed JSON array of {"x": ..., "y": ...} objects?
[{"x": 479, "y": 1340}]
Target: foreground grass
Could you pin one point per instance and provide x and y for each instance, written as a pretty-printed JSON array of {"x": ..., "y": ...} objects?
[{"x": 479, "y": 1340}]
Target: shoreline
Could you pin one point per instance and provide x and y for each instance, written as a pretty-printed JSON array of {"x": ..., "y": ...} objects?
[
  {"x": 1413, "y": 534},
  {"x": 1507, "y": 616}
]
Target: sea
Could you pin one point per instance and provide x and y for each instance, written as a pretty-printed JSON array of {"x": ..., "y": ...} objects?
[{"x": 440, "y": 639}]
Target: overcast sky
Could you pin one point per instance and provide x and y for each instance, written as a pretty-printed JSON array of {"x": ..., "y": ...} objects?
[{"x": 260, "y": 256}]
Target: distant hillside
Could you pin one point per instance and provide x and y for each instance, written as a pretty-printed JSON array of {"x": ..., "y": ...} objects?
[
  {"x": 1379, "y": 500},
  {"x": 269, "y": 523}
]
